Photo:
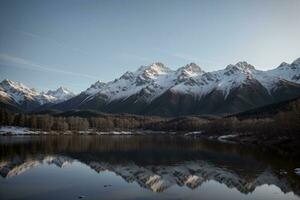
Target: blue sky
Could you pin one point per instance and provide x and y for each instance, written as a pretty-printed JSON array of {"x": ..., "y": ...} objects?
[{"x": 45, "y": 44}]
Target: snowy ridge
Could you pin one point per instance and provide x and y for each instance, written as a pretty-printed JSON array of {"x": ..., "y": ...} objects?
[
  {"x": 17, "y": 91},
  {"x": 289, "y": 72},
  {"x": 225, "y": 80},
  {"x": 150, "y": 81},
  {"x": 234, "y": 76},
  {"x": 153, "y": 80},
  {"x": 20, "y": 93}
]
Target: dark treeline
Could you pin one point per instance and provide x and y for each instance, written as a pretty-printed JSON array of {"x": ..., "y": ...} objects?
[
  {"x": 287, "y": 122},
  {"x": 48, "y": 122}
]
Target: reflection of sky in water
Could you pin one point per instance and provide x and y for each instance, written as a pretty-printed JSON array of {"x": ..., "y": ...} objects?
[
  {"x": 141, "y": 168},
  {"x": 51, "y": 182}
]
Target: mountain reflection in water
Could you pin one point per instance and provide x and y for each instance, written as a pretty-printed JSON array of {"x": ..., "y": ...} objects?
[{"x": 154, "y": 163}]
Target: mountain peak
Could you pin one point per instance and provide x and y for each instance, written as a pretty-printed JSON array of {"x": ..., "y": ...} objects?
[
  {"x": 296, "y": 62},
  {"x": 283, "y": 64},
  {"x": 192, "y": 68},
  {"x": 61, "y": 94},
  {"x": 60, "y": 90},
  {"x": 244, "y": 65},
  {"x": 6, "y": 81},
  {"x": 16, "y": 86},
  {"x": 187, "y": 71},
  {"x": 11, "y": 83},
  {"x": 156, "y": 68},
  {"x": 96, "y": 87},
  {"x": 19, "y": 92},
  {"x": 240, "y": 66},
  {"x": 127, "y": 75},
  {"x": 294, "y": 65}
]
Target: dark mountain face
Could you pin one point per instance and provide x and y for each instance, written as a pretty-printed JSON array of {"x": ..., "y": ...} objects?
[
  {"x": 269, "y": 110},
  {"x": 81, "y": 101},
  {"x": 26, "y": 105},
  {"x": 9, "y": 106},
  {"x": 245, "y": 97},
  {"x": 240, "y": 99}
]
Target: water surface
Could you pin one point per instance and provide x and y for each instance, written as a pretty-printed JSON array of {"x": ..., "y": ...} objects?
[{"x": 142, "y": 167}]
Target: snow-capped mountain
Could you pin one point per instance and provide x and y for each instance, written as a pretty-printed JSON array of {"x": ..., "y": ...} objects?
[
  {"x": 150, "y": 81},
  {"x": 233, "y": 76},
  {"x": 18, "y": 95},
  {"x": 61, "y": 94},
  {"x": 290, "y": 72},
  {"x": 158, "y": 90}
]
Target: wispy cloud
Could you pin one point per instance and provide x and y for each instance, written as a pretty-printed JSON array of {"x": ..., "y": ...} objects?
[
  {"x": 53, "y": 41},
  {"x": 14, "y": 61}
]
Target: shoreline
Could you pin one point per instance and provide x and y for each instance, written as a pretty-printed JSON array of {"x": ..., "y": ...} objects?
[
  {"x": 287, "y": 142},
  {"x": 284, "y": 145}
]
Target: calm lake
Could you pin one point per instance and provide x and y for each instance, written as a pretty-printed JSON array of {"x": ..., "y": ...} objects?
[{"x": 142, "y": 167}]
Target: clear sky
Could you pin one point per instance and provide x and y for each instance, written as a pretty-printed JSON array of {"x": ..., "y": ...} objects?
[{"x": 45, "y": 44}]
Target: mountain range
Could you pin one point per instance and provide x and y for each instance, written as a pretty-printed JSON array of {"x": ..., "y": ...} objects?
[
  {"x": 17, "y": 96},
  {"x": 158, "y": 90}
]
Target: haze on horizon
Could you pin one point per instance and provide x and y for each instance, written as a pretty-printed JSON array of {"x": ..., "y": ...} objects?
[{"x": 45, "y": 44}]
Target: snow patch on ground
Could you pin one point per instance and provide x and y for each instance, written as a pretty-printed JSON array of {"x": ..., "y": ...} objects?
[
  {"x": 297, "y": 171},
  {"x": 193, "y": 133},
  {"x": 115, "y": 133},
  {"x": 15, "y": 130},
  {"x": 224, "y": 138}
]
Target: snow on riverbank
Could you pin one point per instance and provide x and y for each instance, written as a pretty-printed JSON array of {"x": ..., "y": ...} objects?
[
  {"x": 297, "y": 171},
  {"x": 224, "y": 138},
  {"x": 107, "y": 132},
  {"x": 15, "y": 130},
  {"x": 193, "y": 133}
]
